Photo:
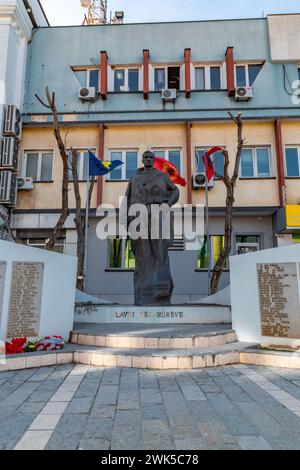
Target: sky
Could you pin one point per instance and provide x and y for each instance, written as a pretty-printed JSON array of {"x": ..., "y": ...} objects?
[{"x": 70, "y": 12}]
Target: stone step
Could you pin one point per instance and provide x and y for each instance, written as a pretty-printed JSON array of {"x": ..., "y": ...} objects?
[
  {"x": 168, "y": 337},
  {"x": 162, "y": 358}
]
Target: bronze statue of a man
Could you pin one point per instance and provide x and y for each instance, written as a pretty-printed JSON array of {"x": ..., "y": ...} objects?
[{"x": 153, "y": 284}]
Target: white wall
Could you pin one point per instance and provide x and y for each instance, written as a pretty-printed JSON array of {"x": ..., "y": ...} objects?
[
  {"x": 245, "y": 293},
  {"x": 284, "y": 34},
  {"x": 58, "y": 290}
]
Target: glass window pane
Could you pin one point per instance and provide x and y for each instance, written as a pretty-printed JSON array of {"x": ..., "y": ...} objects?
[
  {"x": 159, "y": 153},
  {"x": 247, "y": 164},
  {"x": 202, "y": 253},
  {"x": 292, "y": 162},
  {"x": 81, "y": 76},
  {"x": 32, "y": 165},
  {"x": 217, "y": 247},
  {"x": 253, "y": 71},
  {"x": 129, "y": 256},
  {"x": 200, "y": 78},
  {"x": 219, "y": 163},
  {"x": 199, "y": 160},
  {"x": 115, "y": 253},
  {"x": 247, "y": 239},
  {"x": 119, "y": 80},
  {"x": 131, "y": 164},
  {"x": 85, "y": 157},
  {"x": 94, "y": 78},
  {"x": 296, "y": 238},
  {"x": 133, "y": 79},
  {"x": 116, "y": 174},
  {"x": 215, "y": 78},
  {"x": 159, "y": 79},
  {"x": 174, "y": 157},
  {"x": 241, "y": 75},
  {"x": 263, "y": 162},
  {"x": 46, "y": 170}
]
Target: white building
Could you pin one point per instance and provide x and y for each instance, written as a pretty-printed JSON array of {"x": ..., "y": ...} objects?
[{"x": 18, "y": 18}]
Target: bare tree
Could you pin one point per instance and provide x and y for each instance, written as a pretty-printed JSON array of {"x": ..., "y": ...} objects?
[
  {"x": 65, "y": 211},
  {"x": 79, "y": 220},
  {"x": 230, "y": 183}
]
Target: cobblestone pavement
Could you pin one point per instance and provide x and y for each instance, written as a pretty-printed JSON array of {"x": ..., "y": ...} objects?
[{"x": 81, "y": 407}]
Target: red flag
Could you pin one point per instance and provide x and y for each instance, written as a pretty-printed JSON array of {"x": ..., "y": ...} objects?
[
  {"x": 171, "y": 170},
  {"x": 209, "y": 165}
]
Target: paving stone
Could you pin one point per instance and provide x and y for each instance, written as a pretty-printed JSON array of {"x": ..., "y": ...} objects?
[
  {"x": 34, "y": 440},
  {"x": 87, "y": 389},
  {"x": 157, "y": 435},
  {"x": 192, "y": 393},
  {"x": 153, "y": 411},
  {"x": 128, "y": 417},
  {"x": 79, "y": 405},
  {"x": 68, "y": 432},
  {"x": 45, "y": 422},
  {"x": 93, "y": 444},
  {"x": 126, "y": 437},
  {"x": 31, "y": 407},
  {"x": 98, "y": 428},
  {"x": 190, "y": 444},
  {"x": 102, "y": 411},
  {"x": 149, "y": 395},
  {"x": 107, "y": 395},
  {"x": 253, "y": 443}
]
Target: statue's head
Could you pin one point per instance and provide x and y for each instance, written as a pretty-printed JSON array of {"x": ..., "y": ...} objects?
[{"x": 148, "y": 159}]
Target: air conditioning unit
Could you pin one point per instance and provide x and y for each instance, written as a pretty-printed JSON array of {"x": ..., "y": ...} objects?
[
  {"x": 243, "y": 93},
  {"x": 8, "y": 188},
  {"x": 199, "y": 181},
  {"x": 12, "y": 121},
  {"x": 9, "y": 154},
  {"x": 87, "y": 94},
  {"x": 169, "y": 94},
  {"x": 24, "y": 184}
]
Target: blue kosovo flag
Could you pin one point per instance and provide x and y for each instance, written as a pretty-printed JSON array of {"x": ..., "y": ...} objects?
[{"x": 99, "y": 168}]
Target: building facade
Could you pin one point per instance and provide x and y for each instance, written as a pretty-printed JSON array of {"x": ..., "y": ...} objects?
[
  {"x": 17, "y": 20},
  {"x": 126, "y": 67}
]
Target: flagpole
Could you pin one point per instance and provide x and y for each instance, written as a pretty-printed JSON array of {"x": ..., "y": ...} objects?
[
  {"x": 87, "y": 210},
  {"x": 207, "y": 233}
]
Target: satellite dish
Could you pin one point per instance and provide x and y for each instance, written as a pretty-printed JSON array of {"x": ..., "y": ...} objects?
[{"x": 86, "y": 3}]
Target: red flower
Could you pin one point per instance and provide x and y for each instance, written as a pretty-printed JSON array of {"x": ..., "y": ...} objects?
[{"x": 16, "y": 346}]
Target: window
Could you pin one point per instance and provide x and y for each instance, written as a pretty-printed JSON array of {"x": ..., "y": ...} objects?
[
  {"x": 245, "y": 75},
  {"x": 88, "y": 77},
  {"x": 292, "y": 160},
  {"x": 255, "y": 163},
  {"x": 172, "y": 155},
  {"x": 93, "y": 78},
  {"x": 82, "y": 164},
  {"x": 126, "y": 171},
  {"x": 126, "y": 80},
  {"x": 217, "y": 158},
  {"x": 215, "y": 78},
  {"x": 216, "y": 246},
  {"x": 200, "y": 78},
  {"x": 39, "y": 165},
  {"x": 208, "y": 77},
  {"x": 166, "y": 77},
  {"x": 38, "y": 240},
  {"x": 120, "y": 254},
  {"x": 247, "y": 243}
]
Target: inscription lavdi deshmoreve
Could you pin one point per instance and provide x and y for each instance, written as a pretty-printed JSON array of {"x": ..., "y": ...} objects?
[
  {"x": 278, "y": 285},
  {"x": 25, "y": 299}
]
